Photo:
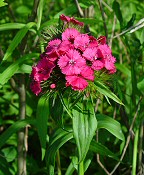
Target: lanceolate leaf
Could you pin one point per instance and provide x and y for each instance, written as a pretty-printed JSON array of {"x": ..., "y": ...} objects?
[
  {"x": 17, "y": 39},
  {"x": 10, "y": 26},
  {"x": 102, "y": 150},
  {"x": 59, "y": 138},
  {"x": 107, "y": 92},
  {"x": 39, "y": 13},
  {"x": 84, "y": 127},
  {"x": 116, "y": 8},
  {"x": 14, "y": 128},
  {"x": 12, "y": 69},
  {"x": 111, "y": 125},
  {"x": 42, "y": 120}
]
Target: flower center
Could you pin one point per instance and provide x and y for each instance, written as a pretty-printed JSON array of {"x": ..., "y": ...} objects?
[
  {"x": 95, "y": 58},
  {"x": 72, "y": 62}
]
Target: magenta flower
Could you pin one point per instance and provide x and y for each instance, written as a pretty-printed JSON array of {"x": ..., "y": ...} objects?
[
  {"x": 76, "y": 82},
  {"x": 104, "y": 50},
  {"x": 35, "y": 87},
  {"x": 65, "y": 18},
  {"x": 70, "y": 34},
  {"x": 42, "y": 71},
  {"x": 53, "y": 86},
  {"x": 53, "y": 46},
  {"x": 81, "y": 42},
  {"x": 87, "y": 73},
  {"x": 102, "y": 40},
  {"x": 71, "y": 63},
  {"x": 71, "y": 20},
  {"x": 92, "y": 42},
  {"x": 94, "y": 56},
  {"x": 64, "y": 47},
  {"x": 76, "y": 22},
  {"x": 109, "y": 62}
]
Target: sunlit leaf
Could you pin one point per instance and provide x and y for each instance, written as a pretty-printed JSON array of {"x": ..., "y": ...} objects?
[
  {"x": 84, "y": 127},
  {"x": 2, "y": 3},
  {"x": 42, "y": 120},
  {"x": 17, "y": 39},
  {"x": 59, "y": 138},
  {"x": 14, "y": 67},
  {"x": 111, "y": 125},
  {"x": 11, "y": 26},
  {"x": 101, "y": 88},
  {"x": 14, "y": 128}
]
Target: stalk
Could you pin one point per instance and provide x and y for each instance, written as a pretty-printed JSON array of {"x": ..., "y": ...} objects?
[
  {"x": 58, "y": 163},
  {"x": 135, "y": 152},
  {"x": 81, "y": 168}
]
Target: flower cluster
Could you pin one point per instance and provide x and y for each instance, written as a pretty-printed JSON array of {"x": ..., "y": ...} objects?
[{"x": 75, "y": 56}]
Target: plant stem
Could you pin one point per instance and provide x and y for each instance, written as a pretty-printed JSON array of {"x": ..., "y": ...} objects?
[
  {"x": 135, "y": 152},
  {"x": 58, "y": 163},
  {"x": 81, "y": 168},
  {"x": 21, "y": 133}
]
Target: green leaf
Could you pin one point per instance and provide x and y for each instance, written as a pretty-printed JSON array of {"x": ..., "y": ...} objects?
[
  {"x": 56, "y": 109},
  {"x": 10, "y": 153},
  {"x": 84, "y": 127},
  {"x": 2, "y": 3},
  {"x": 43, "y": 113},
  {"x": 13, "y": 68},
  {"x": 116, "y": 8},
  {"x": 107, "y": 92},
  {"x": 102, "y": 150},
  {"x": 14, "y": 128},
  {"x": 70, "y": 169},
  {"x": 131, "y": 21},
  {"x": 39, "y": 13},
  {"x": 4, "y": 165},
  {"x": 17, "y": 39},
  {"x": 123, "y": 69},
  {"x": 111, "y": 125},
  {"x": 59, "y": 138},
  {"x": 11, "y": 26},
  {"x": 140, "y": 85}
]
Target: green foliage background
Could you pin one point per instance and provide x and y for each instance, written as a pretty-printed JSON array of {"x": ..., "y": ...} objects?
[{"x": 21, "y": 24}]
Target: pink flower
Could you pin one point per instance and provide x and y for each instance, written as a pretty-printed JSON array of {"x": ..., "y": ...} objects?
[
  {"x": 109, "y": 62},
  {"x": 76, "y": 22},
  {"x": 53, "y": 46},
  {"x": 112, "y": 71},
  {"x": 102, "y": 40},
  {"x": 51, "y": 57},
  {"x": 53, "y": 86},
  {"x": 64, "y": 47},
  {"x": 94, "y": 56},
  {"x": 76, "y": 82},
  {"x": 35, "y": 87},
  {"x": 87, "y": 73},
  {"x": 65, "y": 18},
  {"x": 42, "y": 71},
  {"x": 72, "y": 20},
  {"x": 71, "y": 63},
  {"x": 81, "y": 42},
  {"x": 70, "y": 34},
  {"x": 93, "y": 42},
  {"x": 104, "y": 50}
]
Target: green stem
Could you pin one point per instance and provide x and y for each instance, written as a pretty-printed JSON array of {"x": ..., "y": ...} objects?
[
  {"x": 81, "y": 168},
  {"x": 135, "y": 152},
  {"x": 58, "y": 163}
]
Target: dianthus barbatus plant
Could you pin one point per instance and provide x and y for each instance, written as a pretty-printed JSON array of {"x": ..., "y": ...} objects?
[{"x": 71, "y": 70}]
